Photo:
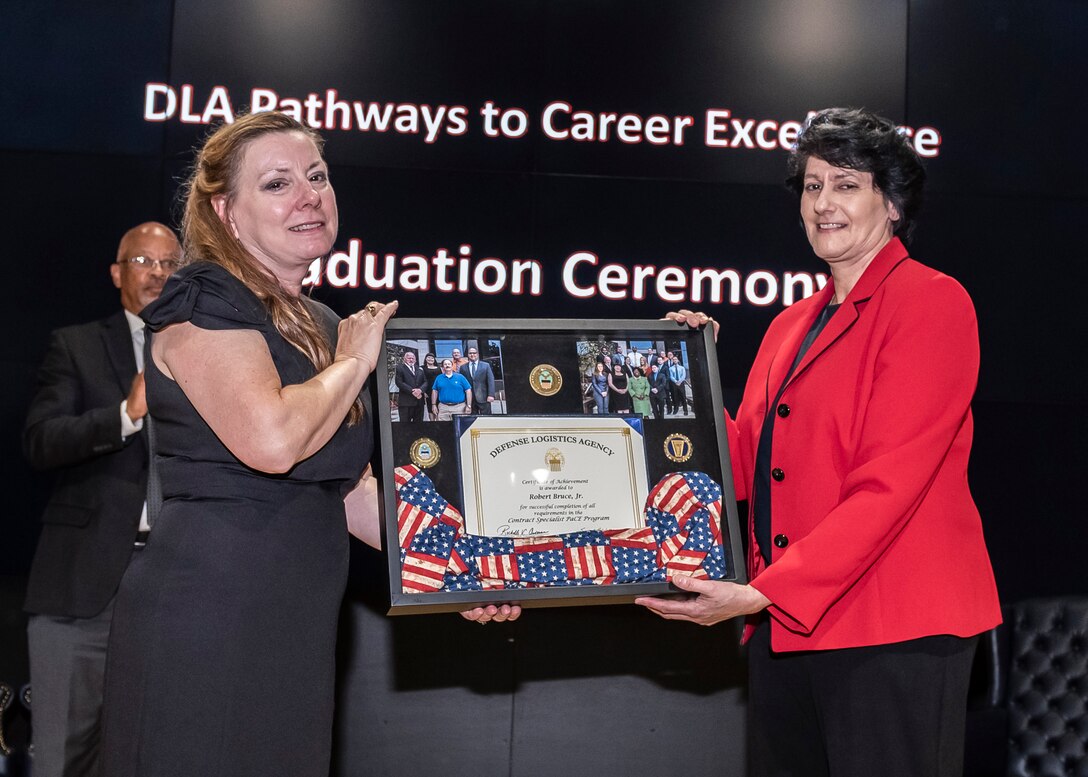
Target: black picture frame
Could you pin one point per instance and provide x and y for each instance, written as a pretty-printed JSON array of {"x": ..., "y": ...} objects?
[{"x": 522, "y": 345}]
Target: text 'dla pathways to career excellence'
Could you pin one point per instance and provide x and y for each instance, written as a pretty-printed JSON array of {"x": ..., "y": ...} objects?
[{"x": 559, "y": 120}]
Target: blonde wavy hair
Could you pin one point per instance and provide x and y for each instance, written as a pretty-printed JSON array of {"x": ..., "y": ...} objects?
[{"x": 206, "y": 238}]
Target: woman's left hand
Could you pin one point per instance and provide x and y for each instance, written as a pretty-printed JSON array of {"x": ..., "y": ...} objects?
[
  {"x": 493, "y": 612},
  {"x": 361, "y": 508},
  {"x": 714, "y": 601},
  {"x": 359, "y": 336},
  {"x": 694, "y": 320}
]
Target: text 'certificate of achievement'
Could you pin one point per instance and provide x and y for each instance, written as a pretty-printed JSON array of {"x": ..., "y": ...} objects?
[{"x": 546, "y": 476}]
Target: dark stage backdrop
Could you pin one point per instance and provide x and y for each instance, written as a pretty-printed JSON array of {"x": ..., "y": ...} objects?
[{"x": 581, "y": 158}]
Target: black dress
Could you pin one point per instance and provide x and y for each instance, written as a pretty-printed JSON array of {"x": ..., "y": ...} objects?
[
  {"x": 617, "y": 402},
  {"x": 221, "y": 656},
  {"x": 431, "y": 373}
]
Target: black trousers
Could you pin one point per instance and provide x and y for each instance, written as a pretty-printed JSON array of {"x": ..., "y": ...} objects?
[
  {"x": 657, "y": 402},
  {"x": 679, "y": 397},
  {"x": 411, "y": 412},
  {"x": 895, "y": 710}
]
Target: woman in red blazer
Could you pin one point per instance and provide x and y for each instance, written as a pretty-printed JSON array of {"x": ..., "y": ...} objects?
[{"x": 869, "y": 573}]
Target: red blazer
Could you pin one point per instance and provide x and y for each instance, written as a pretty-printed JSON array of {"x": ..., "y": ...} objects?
[{"x": 877, "y": 538}]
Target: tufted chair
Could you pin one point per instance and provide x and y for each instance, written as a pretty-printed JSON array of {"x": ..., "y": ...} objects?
[
  {"x": 7, "y": 752},
  {"x": 14, "y": 760},
  {"x": 7, "y": 695},
  {"x": 1034, "y": 719}
]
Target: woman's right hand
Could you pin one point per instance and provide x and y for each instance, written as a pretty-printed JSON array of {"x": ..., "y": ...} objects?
[
  {"x": 360, "y": 334},
  {"x": 493, "y": 612},
  {"x": 694, "y": 320}
]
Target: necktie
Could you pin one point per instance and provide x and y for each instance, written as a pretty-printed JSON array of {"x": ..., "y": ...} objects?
[
  {"x": 472, "y": 370},
  {"x": 138, "y": 341},
  {"x": 153, "y": 498}
]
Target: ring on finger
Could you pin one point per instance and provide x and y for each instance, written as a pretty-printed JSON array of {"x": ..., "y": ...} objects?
[{"x": 372, "y": 308}]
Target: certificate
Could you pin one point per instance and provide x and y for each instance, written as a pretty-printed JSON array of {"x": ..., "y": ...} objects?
[
  {"x": 541, "y": 476},
  {"x": 550, "y": 463}
]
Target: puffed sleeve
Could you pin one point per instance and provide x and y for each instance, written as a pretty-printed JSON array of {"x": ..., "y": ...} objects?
[{"x": 208, "y": 296}]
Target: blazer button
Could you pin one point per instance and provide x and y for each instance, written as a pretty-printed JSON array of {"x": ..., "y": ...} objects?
[
  {"x": 783, "y": 410},
  {"x": 778, "y": 474},
  {"x": 781, "y": 541}
]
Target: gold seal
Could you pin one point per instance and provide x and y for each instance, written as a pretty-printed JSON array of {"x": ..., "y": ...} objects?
[
  {"x": 424, "y": 452},
  {"x": 545, "y": 380},
  {"x": 555, "y": 459},
  {"x": 678, "y": 448}
]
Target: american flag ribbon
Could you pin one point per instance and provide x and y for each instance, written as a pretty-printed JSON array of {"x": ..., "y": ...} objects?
[{"x": 682, "y": 536}]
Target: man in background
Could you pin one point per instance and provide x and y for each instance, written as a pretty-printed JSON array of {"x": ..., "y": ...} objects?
[
  {"x": 482, "y": 379},
  {"x": 666, "y": 363},
  {"x": 411, "y": 389},
  {"x": 451, "y": 393},
  {"x": 85, "y": 424},
  {"x": 659, "y": 391},
  {"x": 678, "y": 376},
  {"x": 619, "y": 357}
]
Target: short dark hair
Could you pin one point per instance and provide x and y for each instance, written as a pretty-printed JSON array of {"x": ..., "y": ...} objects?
[{"x": 859, "y": 140}]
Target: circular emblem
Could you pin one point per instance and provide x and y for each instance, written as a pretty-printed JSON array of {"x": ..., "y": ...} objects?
[
  {"x": 545, "y": 380},
  {"x": 555, "y": 459},
  {"x": 424, "y": 452},
  {"x": 678, "y": 448}
]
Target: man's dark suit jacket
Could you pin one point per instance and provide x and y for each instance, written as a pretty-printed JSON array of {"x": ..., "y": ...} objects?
[
  {"x": 483, "y": 385},
  {"x": 659, "y": 381},
  {"x": 74, "y": 429},
  {"x": 406, "y": 381}
]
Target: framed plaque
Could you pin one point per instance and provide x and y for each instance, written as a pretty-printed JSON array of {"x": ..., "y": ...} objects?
[{"x": 551, "y": 462}]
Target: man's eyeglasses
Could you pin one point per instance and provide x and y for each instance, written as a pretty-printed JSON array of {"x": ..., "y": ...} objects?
[{"x": 146, "y": 263}]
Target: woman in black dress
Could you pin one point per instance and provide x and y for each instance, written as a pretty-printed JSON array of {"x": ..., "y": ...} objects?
[
  {"x": 619, "y": 400},
  {"x": 262, "y": 446},
  {"x": 431, "y": 369}
]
